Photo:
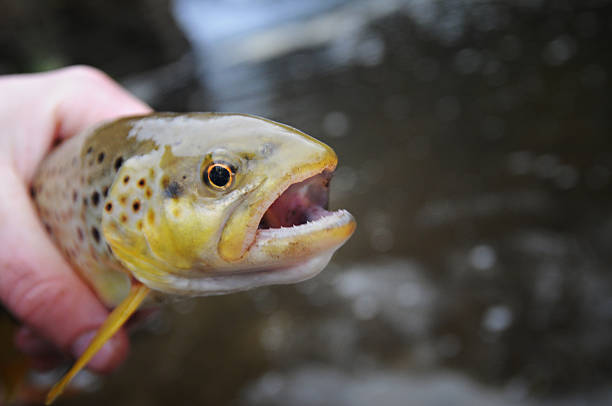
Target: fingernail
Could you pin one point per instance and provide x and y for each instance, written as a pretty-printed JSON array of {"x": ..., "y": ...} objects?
[{"x": 102, "y": 358}]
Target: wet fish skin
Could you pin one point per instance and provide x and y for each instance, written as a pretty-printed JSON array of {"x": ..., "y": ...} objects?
[{"x": 126, "y": 201}]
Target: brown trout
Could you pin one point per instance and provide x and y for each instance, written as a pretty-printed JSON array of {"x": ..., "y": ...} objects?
[{"x": 188, "y": 204}]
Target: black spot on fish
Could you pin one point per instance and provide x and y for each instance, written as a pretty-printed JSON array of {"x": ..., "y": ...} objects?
[
  {"x": 101, "y": 157},
  {"x": 95, "y": 198},
  {"x": 96, "y": 234},
  {"x": 109, "y": 207},
  {"x": 32, "y": 192},
  {"x": 136, "y": 206},
  {"x": 173, "y": 190},
  {"x": 48, "y": 228},
  {"x": 118, "y": 163},
  {"x": 142, "y": 182},
  {"x": 89, "y": 150}
]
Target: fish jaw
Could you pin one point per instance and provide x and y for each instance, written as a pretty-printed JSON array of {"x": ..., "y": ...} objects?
[
  {"x": 240, "y": 230},
  {"x": 299, "y": 242},
  {"x": 278, "y": 256}
]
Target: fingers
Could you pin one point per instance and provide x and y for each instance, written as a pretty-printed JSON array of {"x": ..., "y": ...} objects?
[{"x": 38, "y": 286}]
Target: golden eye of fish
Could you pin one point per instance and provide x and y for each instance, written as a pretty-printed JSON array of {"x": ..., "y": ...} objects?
[{"x": 219, "y": 175}]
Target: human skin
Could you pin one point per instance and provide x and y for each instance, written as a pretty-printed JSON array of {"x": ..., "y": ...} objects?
[{"x": 37, "y": 285}]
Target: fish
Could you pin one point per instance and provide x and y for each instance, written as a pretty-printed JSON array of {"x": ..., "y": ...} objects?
[{"x": 187, "y": 204}]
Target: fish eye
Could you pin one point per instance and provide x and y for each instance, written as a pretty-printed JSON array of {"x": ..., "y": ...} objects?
[{"x": 219, "y": 175}]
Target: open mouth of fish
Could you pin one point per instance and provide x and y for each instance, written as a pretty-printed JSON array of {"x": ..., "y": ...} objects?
[
  {"x": 295, "y": 238},
  {"x": 301, "y": 209}
]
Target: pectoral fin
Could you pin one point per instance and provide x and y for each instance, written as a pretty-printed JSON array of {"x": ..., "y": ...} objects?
[{"x": 113, "y": 323}]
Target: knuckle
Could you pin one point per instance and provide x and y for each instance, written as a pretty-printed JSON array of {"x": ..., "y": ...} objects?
[
  {"x": 32, "y": 297},
  {"x": 86, "y": 74}
]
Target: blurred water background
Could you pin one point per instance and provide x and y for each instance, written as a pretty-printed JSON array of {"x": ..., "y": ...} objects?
[{"x": 475, "y": 152}]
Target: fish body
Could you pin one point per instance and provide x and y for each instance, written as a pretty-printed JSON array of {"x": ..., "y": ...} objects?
[
  {"x": 188, "y": 204},
  {"x": 130, "y": 199}
]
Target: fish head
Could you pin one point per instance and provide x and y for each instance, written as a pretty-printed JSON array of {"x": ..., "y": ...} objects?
[{"x": 232, "y": 202}]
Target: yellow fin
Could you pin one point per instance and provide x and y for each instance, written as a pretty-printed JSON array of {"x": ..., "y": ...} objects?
[{"x": 113, "y": 323}]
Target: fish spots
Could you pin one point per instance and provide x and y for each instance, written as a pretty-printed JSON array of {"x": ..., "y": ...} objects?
[
  {"x": 77, "y": 181},
  {"x": 136, "y": 206},
  {"x": 126, "y": 179},
  {"x": 118, "y": 163},
  {"x": 123, "y": 200},
  {"x": 148, "y": 193},
  {"x": 95, "y": 198},
  {"x": 123, "y": 218},
  {"x": 95, "y": 234},
  {"x": 151, "y": 216},
  {"x": 142, "y": 182},
  {"x": 139, "y": 225},
  {"x": 173, "y": 190}
]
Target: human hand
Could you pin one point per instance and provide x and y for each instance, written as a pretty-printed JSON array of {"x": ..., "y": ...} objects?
[{"x": 36, "y": 283}]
